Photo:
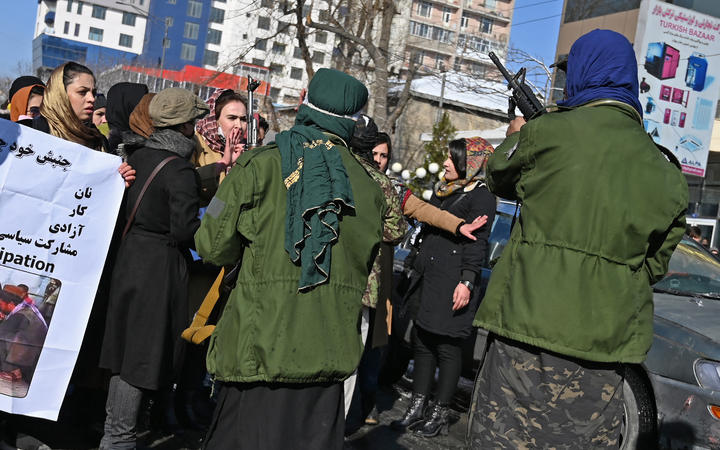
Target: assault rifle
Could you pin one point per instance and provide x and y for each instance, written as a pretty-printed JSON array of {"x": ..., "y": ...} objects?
[
  {"x": 252, "y": 120},
  {"x": 522, "y": 95}
]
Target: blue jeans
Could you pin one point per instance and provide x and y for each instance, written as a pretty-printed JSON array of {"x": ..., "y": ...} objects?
[{"x": 122, "y": 408}]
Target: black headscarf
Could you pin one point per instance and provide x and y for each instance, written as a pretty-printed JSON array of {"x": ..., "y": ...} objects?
[{"x": 122, "y": 99}]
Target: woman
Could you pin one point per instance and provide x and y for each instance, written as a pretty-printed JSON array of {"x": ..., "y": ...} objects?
[
  {"x": 444, "y": 301},
  {"x": 25, "y": 104},
  {"x": 221, "y": 135},
  {"x": 122, "y": 98},
  {"x": 140, "y": 121},
  {"x": 148, "y": 300},
  {"x": 67, "y": 109}
]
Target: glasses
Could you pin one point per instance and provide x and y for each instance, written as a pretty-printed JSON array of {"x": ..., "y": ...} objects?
[{"x": 34, "y": 111}]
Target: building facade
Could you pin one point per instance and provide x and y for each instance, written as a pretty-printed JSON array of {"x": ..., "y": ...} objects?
[
  {"x": 583, "y": 16},
  {"x": 97, "y": 33}
]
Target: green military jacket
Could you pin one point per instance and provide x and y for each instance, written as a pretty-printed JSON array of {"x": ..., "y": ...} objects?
[
  {"x": 269, "y": 331},
  {"x": 602, "y": 212}
]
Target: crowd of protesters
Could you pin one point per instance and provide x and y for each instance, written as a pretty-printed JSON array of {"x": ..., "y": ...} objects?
[{"x": 286, "y": 304}]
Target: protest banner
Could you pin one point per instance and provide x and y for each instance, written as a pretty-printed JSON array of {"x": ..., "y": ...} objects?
[
  {"x": 679, "y": 72},
  {"x": 58, "y": 205}
]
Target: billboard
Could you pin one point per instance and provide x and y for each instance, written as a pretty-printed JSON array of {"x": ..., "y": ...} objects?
[{"x": 679, "y": 70}]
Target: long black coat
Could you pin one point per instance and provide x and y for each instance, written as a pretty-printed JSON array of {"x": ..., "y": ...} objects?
[
  {"x": 444, "y": 260},
  {"x": 148, "y": 299}
]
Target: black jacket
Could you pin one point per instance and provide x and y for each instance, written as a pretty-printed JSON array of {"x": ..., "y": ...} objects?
[
  {"x": 148, "y": 299},
  {"x": 444, "y": 260}
]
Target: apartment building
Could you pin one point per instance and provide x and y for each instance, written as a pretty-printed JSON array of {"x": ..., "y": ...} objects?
[
  {"x": 457, "y": 34},
  {"x": 94, "y": 32}
]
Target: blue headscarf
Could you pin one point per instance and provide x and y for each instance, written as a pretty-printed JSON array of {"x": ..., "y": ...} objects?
[{"x": 602, "y": 64}]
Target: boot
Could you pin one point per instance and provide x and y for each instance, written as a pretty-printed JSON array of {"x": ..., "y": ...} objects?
[
  {"x": 437, "y": 422},
  {"x": 413, "y": 415}
]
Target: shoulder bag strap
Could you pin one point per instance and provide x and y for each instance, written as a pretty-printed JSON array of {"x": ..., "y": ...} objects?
[{"x": 155, "y": 171}]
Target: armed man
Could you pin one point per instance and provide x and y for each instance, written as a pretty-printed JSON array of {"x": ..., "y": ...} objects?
[{"x": 569, "y": 302}]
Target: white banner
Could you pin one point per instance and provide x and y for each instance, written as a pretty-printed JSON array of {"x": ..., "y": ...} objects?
[
  {"x": 58, "y": 205},
  {"x": 679, "y": 69}
]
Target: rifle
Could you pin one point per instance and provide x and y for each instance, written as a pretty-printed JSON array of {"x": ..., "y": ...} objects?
[
  {"x": 252, "y": 121},
  {"x": 522, "y": 95}
]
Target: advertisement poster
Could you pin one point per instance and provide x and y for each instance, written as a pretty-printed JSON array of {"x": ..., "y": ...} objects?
[
  {"x": 679, "y": 69},
  {"x": 58, "y": 205}
]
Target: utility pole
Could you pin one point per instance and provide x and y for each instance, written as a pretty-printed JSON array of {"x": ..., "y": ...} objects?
[
  {"x": 442, "y": 98},
  {"x": 164, "y": 44}
]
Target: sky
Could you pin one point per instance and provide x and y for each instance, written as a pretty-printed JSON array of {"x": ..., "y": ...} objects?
[{"x": 534, "y": 29}]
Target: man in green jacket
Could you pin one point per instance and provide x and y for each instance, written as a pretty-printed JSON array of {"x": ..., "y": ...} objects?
[
  {"x": 306, "y": 220},
  {"x": 570, "y": 299}
]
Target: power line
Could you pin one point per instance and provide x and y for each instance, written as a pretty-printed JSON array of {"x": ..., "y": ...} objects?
[
  {"x": 531, "y": 5},
  {"x": 536, "y": 20}
]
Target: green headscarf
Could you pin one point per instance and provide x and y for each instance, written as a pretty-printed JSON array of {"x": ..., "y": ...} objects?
[{"x": 319, "y": 191}]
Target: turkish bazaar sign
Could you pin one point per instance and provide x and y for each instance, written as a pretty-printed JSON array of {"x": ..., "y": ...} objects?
[
  {"x": 58, "y": 205},
  {"x": 679, "y": 70}
]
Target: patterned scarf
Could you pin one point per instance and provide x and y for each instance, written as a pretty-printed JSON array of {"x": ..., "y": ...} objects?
[
  {"x": 209, "y": 128},
  {"x": 478, "y": 152}
]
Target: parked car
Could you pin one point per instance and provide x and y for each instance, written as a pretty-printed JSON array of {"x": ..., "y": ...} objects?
[{"x": 672, "y": 400}]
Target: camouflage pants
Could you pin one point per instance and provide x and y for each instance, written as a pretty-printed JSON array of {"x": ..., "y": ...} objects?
[{"x": 527, "y": 398}]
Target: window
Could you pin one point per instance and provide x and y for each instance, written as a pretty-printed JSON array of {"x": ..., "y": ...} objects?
[
  {"x": 167, "y": 43},
  {"x": 244, "y": 36},
  {"x": 282, "y": 27},
  {"x": 464, "y": 21},
  {"x": 264, "y": 23},
  {"x": 457, "y": 65},
  {"x": 172, "y": 2},
  {"x": 321, "y": 37},
  {"x": 77, "y": 29},
  {"x": 296, "y": 73},
  {"x": 258, "y": 62},
  {"x": 274, "y": 93},
  {"x": 418, "y": 56},
  {"x": 217, "y": 15},
  {"x": 420, "y": 29},
  {"x": 276, "y": 69},
  {"x": 261, "y": 44},
  {"x": 194, "y": 9},
  {"x": 66, "y": 28},
  {"x": 210, "y": 58},
  {"x": 278, "y": 48},
  {"x": 128, "y": 19},
  {"x": 169, "y": 21},
  {"x": 324, "y": 15},
  {"x": 442, "y": 35},
  {"x": 305, "y": 10},
  {"x": 214, "y": 36},
  {"x": 69, "y": 6},
  {"x": 447, "y": 14},
  {"x": 476, "y": 69},
  {"x": 486, "y": 25},
  {"x": 125, "y": 40},
  {"x": 318, "y": 57},
  {"x": 423, "y": 9},
  {"x": 439, "y": 62},
  {"x": 490, "y": 4},
  {"x": 187, "y": 52},
  {"x": 80, "y": 5},
  {"x": 266, "y": 3},
  {"x": 96, "y": 34},
  {"x": 191, "y": 30},
  {"x": 297, "y": 53},
  {"x": 98, "y": 12}
]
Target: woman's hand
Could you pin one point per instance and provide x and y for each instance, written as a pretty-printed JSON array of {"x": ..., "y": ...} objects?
[
  {"x": 461, "y": 297},
  {"x": 468, "y": 229},
  {"x": 128, "y": 174},
  {"x": 233, "y": 146}
]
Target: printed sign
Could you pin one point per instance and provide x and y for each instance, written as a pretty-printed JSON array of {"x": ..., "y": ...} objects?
[
  {"x": 679, "y": 69},
  {"x": 58, "y": 205}
]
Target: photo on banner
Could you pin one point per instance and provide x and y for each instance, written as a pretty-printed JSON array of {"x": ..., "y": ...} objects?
[
  {"x": 27, "y": 303},
  {"x": 58, "y": 207},
  {"x": 678, "y": 53}
]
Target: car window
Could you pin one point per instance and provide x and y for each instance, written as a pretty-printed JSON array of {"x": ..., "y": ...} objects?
[
  {"x": 499, "y": 236},
  {"x": 692, "y": 271}
]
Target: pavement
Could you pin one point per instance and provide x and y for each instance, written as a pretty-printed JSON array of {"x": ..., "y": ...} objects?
[{"x": 44, "y": 435}]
